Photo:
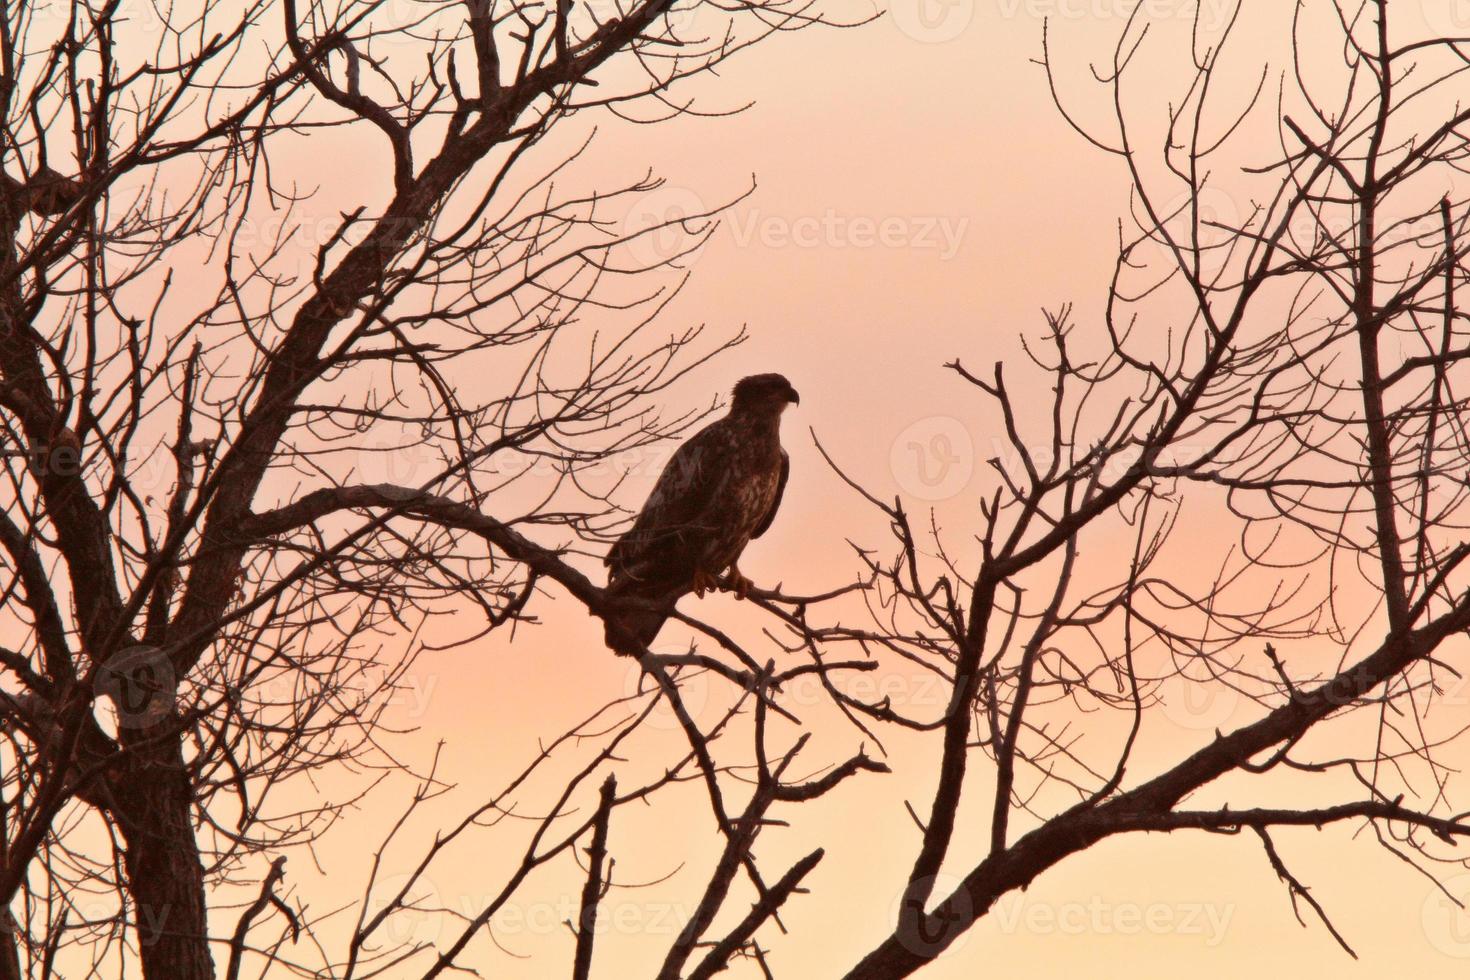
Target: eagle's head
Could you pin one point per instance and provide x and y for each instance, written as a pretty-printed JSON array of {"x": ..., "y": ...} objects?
[{"x": 764, "y": 393}]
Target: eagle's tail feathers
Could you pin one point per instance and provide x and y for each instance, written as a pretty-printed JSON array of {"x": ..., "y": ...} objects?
[{"x": 634, "y": 627}]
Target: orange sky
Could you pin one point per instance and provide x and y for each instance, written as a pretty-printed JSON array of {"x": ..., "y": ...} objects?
[{"x": 918, "y": 199}]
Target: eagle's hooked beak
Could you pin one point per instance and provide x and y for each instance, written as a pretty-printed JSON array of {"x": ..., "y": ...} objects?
[{"x": 792, "y": 396}]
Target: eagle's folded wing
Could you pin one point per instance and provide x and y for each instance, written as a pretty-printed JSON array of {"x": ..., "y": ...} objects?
[
  {"x": 689, "y": 488},
  {"x": 776, "y": 502}
]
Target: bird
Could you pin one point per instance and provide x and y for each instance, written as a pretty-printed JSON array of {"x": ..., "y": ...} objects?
[{"x": 718, "y": 492}]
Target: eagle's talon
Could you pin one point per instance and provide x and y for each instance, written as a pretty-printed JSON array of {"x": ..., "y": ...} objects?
[
  {"x": 738, "y": 583},
  {"x": 703, "y": 582}
]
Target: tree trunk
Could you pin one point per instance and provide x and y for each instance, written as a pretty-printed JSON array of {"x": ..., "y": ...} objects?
[
  {"x": 9, "y": 952},
  {"x": 153, "y": 805},
  {"x": 9, "y": 927}
]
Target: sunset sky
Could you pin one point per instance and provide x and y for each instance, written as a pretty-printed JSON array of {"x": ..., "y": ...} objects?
[{"x": 914, "y": 198}]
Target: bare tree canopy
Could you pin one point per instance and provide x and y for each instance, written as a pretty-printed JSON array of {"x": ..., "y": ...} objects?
[{"x": 1238, "y": 465}]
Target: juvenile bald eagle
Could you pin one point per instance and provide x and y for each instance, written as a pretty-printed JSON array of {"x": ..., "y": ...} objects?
[{"x": 720, "y": 490}]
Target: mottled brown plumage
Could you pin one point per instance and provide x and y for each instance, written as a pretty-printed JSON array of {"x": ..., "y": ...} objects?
[{"x": 720, "y": 490}]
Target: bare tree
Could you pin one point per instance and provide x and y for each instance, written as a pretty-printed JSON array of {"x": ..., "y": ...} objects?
[
  {"x": 214, "y": 602},
  {"x": 206, "y": 599},
  {"x": 1286, "y": 362}
]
